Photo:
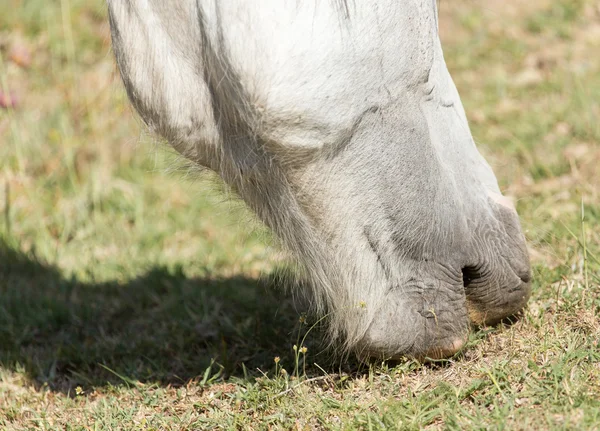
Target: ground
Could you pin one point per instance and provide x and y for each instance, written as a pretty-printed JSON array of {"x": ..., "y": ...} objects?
[{"x": 135, "y": 294}]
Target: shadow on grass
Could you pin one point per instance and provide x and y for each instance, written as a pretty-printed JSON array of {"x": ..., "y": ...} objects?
[{"x": 161, "y": 327}]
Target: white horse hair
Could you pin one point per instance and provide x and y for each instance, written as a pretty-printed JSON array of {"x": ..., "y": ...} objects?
[{"x": 339, "y": 125}]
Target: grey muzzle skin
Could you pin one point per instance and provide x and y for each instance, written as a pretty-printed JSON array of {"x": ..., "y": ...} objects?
[
  {"x": 346, "y": 136},
  {"x": 436, "y": 307}
]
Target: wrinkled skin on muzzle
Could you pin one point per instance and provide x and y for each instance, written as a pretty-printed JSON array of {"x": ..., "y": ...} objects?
[{"x": 340, "y": 126}]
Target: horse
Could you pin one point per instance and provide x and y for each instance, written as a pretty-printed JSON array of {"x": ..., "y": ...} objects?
[{"x": 338, "y": 123}]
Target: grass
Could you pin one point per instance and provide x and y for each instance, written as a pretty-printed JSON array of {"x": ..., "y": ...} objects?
[{"x": 138, "y": 297}]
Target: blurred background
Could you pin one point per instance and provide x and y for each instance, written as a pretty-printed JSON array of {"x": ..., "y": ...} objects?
[{"x": 114, "y": 259}]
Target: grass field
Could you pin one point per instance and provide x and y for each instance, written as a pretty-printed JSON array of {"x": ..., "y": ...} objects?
[{"x": 135, "y": 295}]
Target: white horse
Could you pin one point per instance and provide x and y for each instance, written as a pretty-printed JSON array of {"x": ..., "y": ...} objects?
[{"x": 338, "y": 123}]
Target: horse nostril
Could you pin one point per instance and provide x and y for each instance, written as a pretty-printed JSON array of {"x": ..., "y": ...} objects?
[
  {"x": 525, "y": 276},
  {"x": 469, "y": 273}
]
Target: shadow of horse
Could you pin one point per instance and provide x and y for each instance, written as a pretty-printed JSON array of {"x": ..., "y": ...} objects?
[{"x": 161, "y": 327}]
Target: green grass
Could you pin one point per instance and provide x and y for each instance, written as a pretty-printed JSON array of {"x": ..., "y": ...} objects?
[
  {"x": 138, "y": 296},
  {"x": 558, "y": 19}
]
